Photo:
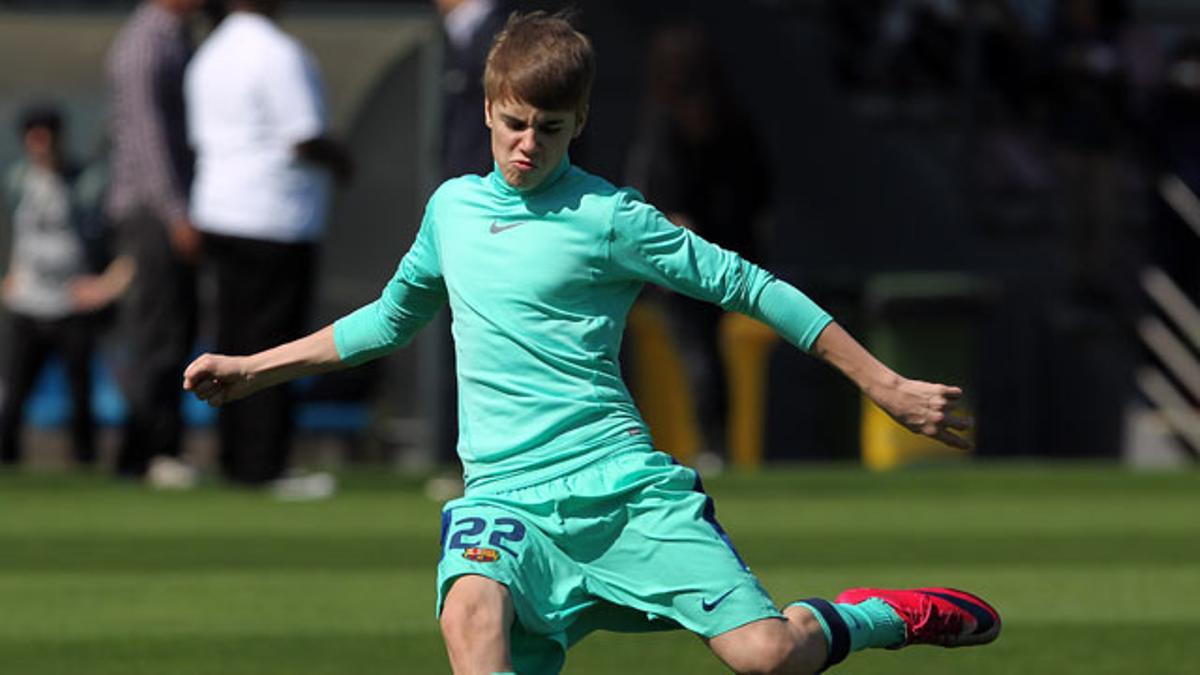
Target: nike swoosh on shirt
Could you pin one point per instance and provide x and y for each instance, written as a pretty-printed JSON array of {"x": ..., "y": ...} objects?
[
  {"x": 497, "y": 228},
  {"x": 710, "y": 606}
]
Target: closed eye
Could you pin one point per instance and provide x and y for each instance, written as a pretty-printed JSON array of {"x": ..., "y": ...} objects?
[{"x": 514, "y": 123}]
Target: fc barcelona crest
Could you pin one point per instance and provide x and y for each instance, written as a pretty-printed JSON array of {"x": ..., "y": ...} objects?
[{"x": 482, "y": 554}]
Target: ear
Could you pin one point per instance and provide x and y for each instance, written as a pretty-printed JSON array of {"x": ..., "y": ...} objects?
[
  {"x": 487, "y": 113},
  {"x": 580, "y": 121}
]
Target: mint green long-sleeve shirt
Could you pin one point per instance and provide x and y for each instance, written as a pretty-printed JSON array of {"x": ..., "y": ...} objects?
[{"x": 539, "y": 285}]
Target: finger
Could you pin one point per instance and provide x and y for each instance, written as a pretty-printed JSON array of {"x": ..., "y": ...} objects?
[
  {"x": 207, "y": 389},
  {"x": 952, "y": 440},
  {"x": 193, "y": 381},
  {"x": 957, "y": 421},
  {"x": 219, "y": 398},
  {"x": 196, "y": 369},
  {"x": 952, "y": 393}
]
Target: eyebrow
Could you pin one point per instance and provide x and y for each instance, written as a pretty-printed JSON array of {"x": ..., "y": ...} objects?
[{"x": 511, "y": 119}]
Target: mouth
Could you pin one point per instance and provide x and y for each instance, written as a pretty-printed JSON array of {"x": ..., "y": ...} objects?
[{"x": 523, "y": 165}]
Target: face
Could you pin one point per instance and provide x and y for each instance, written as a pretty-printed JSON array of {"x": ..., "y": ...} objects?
[
  {"x": 446, "y": 6},
  {"x": 183, "y": 7},
  {"x": 40, "y": 146},
  {"x": 528, "y": 142}
]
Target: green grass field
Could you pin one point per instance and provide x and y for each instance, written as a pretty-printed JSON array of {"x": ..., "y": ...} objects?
[{"x": 1095, "y": 570}]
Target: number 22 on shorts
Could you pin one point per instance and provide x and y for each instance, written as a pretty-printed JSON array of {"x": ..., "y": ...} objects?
[{"x": 466, "y": 534}]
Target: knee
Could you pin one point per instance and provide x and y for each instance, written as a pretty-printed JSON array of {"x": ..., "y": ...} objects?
[
  {"x": 464, "y": 623},
  {"x": 473, "y": 612},
  {"x": 767, "y": 653}
]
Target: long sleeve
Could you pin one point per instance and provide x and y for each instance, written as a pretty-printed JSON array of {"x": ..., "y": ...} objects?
[
  {"x": 646, "y": 246},
  {"x": 148, "y": 138},
  {"x": 408, "y": 302},
  {"x": 151, "y": 161}
]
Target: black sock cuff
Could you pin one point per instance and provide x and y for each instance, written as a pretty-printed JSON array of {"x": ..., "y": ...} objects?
[{"x": 839, "y": 633}]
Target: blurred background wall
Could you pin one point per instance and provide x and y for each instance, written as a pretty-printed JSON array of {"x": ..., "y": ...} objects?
[{"x": 988, "y": 167}]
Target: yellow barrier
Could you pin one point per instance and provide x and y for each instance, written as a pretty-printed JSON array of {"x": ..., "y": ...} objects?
[
  {"x": 663, "y": 392},
  {"x": 660, "y": 384},
  {"x": 887, "y": 445},
  {"x": 922, "y": 324},
  {"x": 746, "y": 346}
]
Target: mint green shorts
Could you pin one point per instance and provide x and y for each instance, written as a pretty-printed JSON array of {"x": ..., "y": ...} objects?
[{"x": 627, "y": 544}]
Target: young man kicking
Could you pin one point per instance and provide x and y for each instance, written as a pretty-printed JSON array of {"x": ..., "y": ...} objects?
[{"x": 571, "y": 521}]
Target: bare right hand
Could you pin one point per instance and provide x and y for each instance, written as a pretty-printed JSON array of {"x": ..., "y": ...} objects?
[
  {"x": 186, "y": 240},
  {"x": 218, "y": 379}
]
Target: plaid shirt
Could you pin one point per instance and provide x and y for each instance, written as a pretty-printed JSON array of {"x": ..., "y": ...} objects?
[{"x": 151, "y": 162}]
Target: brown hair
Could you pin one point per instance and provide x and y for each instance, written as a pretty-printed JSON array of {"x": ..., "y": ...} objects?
[{"x": 540, "y": 59}]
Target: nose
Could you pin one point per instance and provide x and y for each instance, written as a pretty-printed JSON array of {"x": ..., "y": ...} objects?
[{"x": 527, "y": 142}]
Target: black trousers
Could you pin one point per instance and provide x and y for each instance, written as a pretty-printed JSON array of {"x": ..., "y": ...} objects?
[
  {"x": 32, "y": 341},
  {"x": 264, "y": 290},
  {"x": 158, "y": 328}
]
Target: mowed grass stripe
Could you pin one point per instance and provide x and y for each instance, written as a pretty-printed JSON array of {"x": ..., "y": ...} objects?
[
  {"x": 1043, "y": 648},
  {"x": 1011, "y": 481},
  {"x": 1095, "y": 571},
  {"x": 332, "y": 652},
  {"x": 921, "y": 502},
  {"x": 930, "y": 513},
  {"x": 60, "y": 607},
  {"x": 1030, "y": 593},
  {"x": 107, "y": 554},
  {"x": 57, "y": 607}
]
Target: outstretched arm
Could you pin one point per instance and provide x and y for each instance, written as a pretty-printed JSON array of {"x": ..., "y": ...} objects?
[
  {"x": 219, "y": 379},
  {"x": 924, "y": 408},
  {"x": 649, "y": 247}
]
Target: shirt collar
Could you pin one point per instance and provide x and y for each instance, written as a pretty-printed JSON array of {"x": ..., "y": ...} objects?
[{"x": 248, "y": 17}]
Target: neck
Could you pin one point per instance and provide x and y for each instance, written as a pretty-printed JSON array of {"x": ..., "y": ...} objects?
[{"x": 47, "y": 162}]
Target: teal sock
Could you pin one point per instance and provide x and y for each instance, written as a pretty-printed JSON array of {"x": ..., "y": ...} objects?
[
  {"x": 850, "y": 628},
  {"x": 872, "y": 623}
]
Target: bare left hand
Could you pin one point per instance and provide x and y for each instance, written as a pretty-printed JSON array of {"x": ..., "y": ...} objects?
[
  {"x": 90, "y": 293},
  {"x": 928, "y": 409}
]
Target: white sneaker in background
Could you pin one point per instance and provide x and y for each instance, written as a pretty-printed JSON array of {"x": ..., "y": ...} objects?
[
  {"x": 442, "y": 489},
  {"x": 305, "y": 487},
  {"x": 710, "y": 464},
  {"x": 168, "y": 473}
]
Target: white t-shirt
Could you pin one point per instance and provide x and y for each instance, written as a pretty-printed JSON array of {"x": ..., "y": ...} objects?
[
  {"x": 253, "y": 93},
  {"x": 47, "y": 251}
]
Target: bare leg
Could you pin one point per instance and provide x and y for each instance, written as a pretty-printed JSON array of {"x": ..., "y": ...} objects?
[
  {"x": 475, "y": 621},
  {"x": 796, "y": 645}
]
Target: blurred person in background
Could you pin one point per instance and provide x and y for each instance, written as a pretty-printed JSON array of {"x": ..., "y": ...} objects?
[
  {"x": 151, "y": 171},
  {"x": 572, "y": 522},
  {"x": 470, "y": 26},
  {"x": 699, "y": 158},
  {"x": 51, "y": 290},
  {"x": 257, "y": 120}
]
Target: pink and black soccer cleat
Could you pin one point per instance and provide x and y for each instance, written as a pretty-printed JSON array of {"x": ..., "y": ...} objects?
[{"x": 935, "y": 616}]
